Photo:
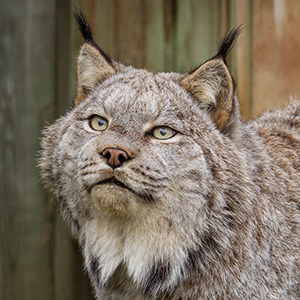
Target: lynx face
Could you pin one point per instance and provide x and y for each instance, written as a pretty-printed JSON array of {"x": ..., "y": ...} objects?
[
  {"x": 131, "y": 147},
  {"x": 132, "y": 141}
]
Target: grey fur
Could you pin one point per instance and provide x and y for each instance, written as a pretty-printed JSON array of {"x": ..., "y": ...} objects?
[{"x": 211, "y": 213}]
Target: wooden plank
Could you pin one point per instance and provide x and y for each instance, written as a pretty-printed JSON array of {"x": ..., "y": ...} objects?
[
  {"x": 27, "y": 98},
  {"x": 245, "y": 58},
  {"x": 227, "y": 21},
  {"x": 70, "y": 280},
  {"x": 276, "y": 53},
  {"x": 144, "y": 39},
  {"x": 104, "y": 25},
  {"x": 154, "y": 36},
  {"x": 129, "y": 18},
  {"x": 197, "y": 32},
  {"x": 64, "y": 61}
]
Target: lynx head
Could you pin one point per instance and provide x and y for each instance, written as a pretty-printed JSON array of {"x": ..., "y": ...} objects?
[
  {"x": 156, "y": 148},
  {"x": 134, "y": 137}
]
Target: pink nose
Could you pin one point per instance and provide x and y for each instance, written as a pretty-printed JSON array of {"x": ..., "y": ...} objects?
[{"x": 115, "y": 156}]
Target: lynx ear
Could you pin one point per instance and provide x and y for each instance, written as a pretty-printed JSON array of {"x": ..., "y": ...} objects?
[
  {"x": 213, "y": 87},
  {"x": 93, "y": 65}
]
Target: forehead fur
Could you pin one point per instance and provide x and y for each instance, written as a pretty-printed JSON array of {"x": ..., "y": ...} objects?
[{"x": 141, "y": 94}]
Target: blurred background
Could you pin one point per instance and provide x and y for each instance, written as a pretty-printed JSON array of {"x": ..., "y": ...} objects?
[{"x": 39, "y": 42}]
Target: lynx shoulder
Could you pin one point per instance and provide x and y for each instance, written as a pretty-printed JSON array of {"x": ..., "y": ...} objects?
[{"x": 171, "y": 194}]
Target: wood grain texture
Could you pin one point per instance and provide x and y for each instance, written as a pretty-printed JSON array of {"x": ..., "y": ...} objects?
[
  {"x": 268, "y": 54},
  {"x": 276, "y": 53},
  {"x": 244, "y": 58},
  {"x": 69, "y": 278},
  {"x": 27, "y": 95}
]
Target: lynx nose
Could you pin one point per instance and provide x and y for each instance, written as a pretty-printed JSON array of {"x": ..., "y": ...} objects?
[{"x": 115, "y": 156}]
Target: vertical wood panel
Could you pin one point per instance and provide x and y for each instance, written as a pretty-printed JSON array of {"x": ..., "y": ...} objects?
[
  {"x": 69, "y": 279},
  {"x": 245, "y": 58},
  {"x": 155, "y": 36},
  {"x": 27, "y": 93},
  {"x": 195, "y": 40}
]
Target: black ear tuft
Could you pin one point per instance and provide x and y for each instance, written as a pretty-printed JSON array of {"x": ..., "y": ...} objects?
[
  {"x": 228, "y": 42},
  {"x": 87, "y": 34},
  {"x": 84, "y": 26}
]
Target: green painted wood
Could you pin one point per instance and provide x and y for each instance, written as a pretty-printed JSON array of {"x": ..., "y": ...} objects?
[
  {"x": 70, "y": 280},
  {"x": 197, "y": 32},
  {"x": 27, "y": 93},
  {"x": 154, "y": 36}
]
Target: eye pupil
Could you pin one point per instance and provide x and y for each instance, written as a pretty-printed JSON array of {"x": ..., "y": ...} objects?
[
  {"x": 163, "y": 131},
  {"x": 101, "y": 122}
]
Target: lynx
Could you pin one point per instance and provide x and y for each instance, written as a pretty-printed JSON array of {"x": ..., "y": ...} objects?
[{"x": 170, "y": 194}]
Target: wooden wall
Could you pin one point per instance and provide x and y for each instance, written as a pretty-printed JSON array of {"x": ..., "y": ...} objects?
[{"x": 39, "y": 42}]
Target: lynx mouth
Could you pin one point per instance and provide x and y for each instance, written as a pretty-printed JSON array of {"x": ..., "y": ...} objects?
[
  {"x": 112, "y": 181},
  {"x": 115, "y": 182}
]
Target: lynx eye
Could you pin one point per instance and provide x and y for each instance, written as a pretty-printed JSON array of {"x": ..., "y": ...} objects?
[
  {"x": 98, "y": 123},
  {"x": 163, "y": 132}
]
